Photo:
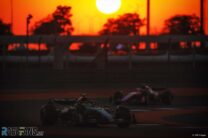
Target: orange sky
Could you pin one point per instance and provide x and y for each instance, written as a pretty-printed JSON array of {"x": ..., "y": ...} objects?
[{"x": 87, "y": 19}]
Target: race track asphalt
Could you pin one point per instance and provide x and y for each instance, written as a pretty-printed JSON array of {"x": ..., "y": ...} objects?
[{"x": 186, "y": 117}]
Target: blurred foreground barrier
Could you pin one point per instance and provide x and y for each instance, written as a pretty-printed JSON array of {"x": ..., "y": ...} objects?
[{"x": 61, "y": 43}]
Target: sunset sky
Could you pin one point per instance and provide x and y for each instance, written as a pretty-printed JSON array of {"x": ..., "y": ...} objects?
[{"x": 87, "y": 19}]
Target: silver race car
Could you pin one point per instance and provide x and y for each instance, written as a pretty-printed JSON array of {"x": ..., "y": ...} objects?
[{"x": 73, "y": 112}]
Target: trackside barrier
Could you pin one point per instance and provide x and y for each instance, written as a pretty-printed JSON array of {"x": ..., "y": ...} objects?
[{"x": 60, "y": 43}]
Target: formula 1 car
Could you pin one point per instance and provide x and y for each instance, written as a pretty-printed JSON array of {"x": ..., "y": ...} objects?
[
  {"x": 73, "y": 112},
  {"x": 143, "y": 95}
]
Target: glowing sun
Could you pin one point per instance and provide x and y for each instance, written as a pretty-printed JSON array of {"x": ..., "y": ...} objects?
[{"x": 108, "y": 6}]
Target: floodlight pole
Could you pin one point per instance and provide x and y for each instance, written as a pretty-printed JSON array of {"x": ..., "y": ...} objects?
[
  {"x": 202, "y": 16},
  {"x": 148, "y": 17},
  {"x": 148, "y": 23},
  {"x": 202, "y": 31},
  {"x": 29, "y": 17},
  {"x": 11, "y": 6}
]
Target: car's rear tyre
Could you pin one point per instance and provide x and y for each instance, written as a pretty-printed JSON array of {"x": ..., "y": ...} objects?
[
  {"x": 70, "y": 118},
  {"x": 123, "y": 117},
  {"x": 166, "y": 98},
  {"x": 148, "y": 99},
  {"x": 48, "y": 118}
]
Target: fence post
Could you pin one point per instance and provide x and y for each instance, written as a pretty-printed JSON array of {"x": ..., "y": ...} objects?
[
  {"x": 169, "y": 58},
  {"x": 169, "y": 50},
  {"x": 106, "y": 53},
  {"x": 39, "y": 53},
  {"x": 194, "y": 57},
  {"x": 58, "y": 56},
  {"x": 67, "y": 55},
  {"x": 27, "y": 51},
  {"x": 130, "y": 57},
  {"x": 4, "y": 57}
]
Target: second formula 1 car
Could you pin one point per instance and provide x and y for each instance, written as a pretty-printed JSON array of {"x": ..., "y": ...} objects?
[{"x": 143, "y": 95}]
